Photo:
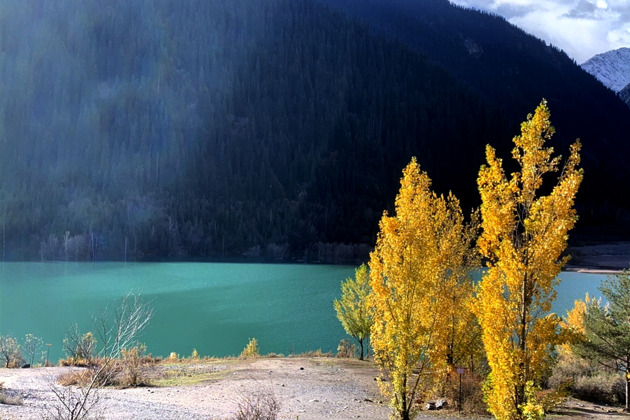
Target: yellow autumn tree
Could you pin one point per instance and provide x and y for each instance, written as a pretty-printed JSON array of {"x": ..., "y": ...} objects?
[
  {"x": 420, "y": 258},
  {"x": 352, "y": 309},
  {"x": 523, "y": 238}
]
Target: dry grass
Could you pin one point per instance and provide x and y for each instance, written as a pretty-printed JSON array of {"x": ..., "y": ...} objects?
[
  {"x": 346, "y": 350},
  {"x": 79, "y": 377},
  {"x": 313, "y": 353},
  {"x": 191, "y": 372},
  {"x": 258, "y": 406}
]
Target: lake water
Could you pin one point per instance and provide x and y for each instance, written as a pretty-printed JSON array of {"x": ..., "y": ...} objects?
[{"x": 212, "y": 307}]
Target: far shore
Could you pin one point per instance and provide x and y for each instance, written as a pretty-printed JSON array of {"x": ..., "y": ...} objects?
[
  {"x": 593, "y": 270},
  {"x": 602, "y": 258}
]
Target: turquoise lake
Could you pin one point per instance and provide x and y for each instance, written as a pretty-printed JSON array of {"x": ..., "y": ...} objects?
[{"x": 214, "y": 308}]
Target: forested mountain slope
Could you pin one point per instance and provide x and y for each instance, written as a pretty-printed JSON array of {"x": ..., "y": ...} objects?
[
  {"x": 209, "y": 128},
  {"x": 205, "y": 128},
  {"x": 513, "y": 71},
  {"x": 624, "y": 94}
]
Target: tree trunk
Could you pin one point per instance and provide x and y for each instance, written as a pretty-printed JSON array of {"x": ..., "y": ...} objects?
[
  {"x": 404, "y": 413},
  {"x": 361, "y": 344}
]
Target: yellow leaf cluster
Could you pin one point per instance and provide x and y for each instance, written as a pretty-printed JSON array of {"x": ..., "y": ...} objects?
[
  {"x": 422, "y": 257},
  {"x": 523, "y": 237},
  {"x": 352, "y": 309}
]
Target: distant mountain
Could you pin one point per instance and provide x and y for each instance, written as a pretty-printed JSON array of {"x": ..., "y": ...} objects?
[{"x": 612, "y": 68}]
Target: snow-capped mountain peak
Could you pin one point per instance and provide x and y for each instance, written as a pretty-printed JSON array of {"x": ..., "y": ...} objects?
[{"x": 612, "y": 68}]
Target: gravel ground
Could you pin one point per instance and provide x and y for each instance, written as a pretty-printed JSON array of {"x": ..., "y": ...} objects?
[{"x": 307, "y": 388}]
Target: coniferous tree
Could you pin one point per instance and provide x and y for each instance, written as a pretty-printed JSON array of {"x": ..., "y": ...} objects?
[{"x": 604, "y": 330}]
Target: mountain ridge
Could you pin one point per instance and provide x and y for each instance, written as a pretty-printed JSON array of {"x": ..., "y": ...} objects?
[{"x": 612, "y": 68}]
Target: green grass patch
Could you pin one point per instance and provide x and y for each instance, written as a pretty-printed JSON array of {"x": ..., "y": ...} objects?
[
  {"x": 178, "y": 378},
  {"x": 186, "y": 374}
]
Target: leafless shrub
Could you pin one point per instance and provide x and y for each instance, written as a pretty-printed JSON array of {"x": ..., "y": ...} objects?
[
  {"x": 74, "y": 403},
  {"x": 79, "y": 348},
  {"x": 118, "y": 333},
  {"x": 32, "y": 346},
  {"x": 258, "y": 406},
  {"x": 120, "y": 330}
]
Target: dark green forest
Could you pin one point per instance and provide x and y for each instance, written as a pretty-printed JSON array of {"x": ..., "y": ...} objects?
[
  {"x": 625, "y": 94},
  {"x": 273, "y": 129}
]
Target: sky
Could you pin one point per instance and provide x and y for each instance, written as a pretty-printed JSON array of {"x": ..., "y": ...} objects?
[{"x": 582, "y": 28}]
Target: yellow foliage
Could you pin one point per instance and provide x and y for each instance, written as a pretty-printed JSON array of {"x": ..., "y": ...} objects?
[
  {"x": 251, "y": 350},
  {"x": 419, "y": 279},
  {"x": 572, "y": 326},
  {"x": 523, "y": 238},
  {"x": 352, "y": 309}
]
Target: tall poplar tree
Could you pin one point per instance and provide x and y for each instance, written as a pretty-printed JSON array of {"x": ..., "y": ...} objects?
[
  {"x": 523, "y": 237},
  {"x": 420, "y": 258}
]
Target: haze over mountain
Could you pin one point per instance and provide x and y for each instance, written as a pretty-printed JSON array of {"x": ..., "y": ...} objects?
[{"x": 267, "y": 128}]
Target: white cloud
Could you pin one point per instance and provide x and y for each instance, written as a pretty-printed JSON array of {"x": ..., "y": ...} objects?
[{"x": 582, "y": 28}]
